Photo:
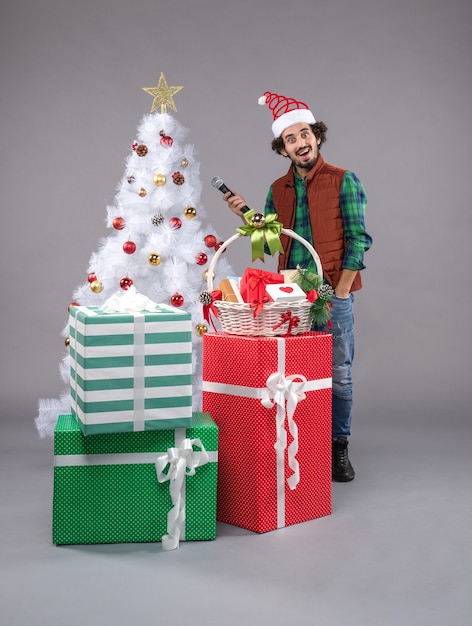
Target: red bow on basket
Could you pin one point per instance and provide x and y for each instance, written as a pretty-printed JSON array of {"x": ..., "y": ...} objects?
[
  {"x": 287, "y": 317},
  {"x": 258, "y": 305},
  {"x": 211, "y": 308}
]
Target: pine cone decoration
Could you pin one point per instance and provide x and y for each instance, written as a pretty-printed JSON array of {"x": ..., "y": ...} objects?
[
  {"x": 157, "y": 219},
  {"x": 141, "y": 150},
  {"x": 325, "y": 292},
  {"x": 178, "y": 178},
  {"x": 205, "y": 297}
]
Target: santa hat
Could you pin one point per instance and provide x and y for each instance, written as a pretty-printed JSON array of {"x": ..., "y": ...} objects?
[{"x": 286, "y": 112}]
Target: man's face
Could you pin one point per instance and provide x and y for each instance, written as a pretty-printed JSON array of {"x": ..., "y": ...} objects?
[{"x": 300, "y": 146}]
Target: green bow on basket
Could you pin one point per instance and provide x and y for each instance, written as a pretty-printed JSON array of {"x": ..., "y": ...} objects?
[{"x": 262, "y": 228}]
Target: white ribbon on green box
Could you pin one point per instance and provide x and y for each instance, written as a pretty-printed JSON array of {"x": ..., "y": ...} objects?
[
  {"x": 284, "y": 392},
  {"x": 130, "y": 370},
  {"x": 181, "y": 460}
]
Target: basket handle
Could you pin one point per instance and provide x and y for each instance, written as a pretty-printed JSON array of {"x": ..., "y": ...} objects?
[{"x": 285, "y": 231}]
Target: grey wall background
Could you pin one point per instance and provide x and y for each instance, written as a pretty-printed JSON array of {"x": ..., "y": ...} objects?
[{"x": 390, "y": 79}]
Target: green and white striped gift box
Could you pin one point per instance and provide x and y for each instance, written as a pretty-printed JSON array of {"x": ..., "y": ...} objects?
[
  {"x": 106, "y": 488},
  {"x": 130, "y": 371}
]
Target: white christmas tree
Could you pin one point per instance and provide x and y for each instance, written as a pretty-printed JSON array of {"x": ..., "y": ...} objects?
[{"x": 159, "y": 242}]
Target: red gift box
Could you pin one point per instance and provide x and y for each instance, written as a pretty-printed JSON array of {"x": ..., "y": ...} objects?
[
  {"x": 253, "y": 285},
  {"x": 271, "y": 400}
]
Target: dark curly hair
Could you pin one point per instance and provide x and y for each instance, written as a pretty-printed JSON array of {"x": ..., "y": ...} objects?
[{"x": 319, "y": 130}]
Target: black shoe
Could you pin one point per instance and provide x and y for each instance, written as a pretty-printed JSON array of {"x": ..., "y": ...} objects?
[{"x": 342, "y": 471}]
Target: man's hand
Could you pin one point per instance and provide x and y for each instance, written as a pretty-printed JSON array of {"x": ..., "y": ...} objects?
[
  {"x": 343, "y": 288},
  {"x": 235, "y": 202}
]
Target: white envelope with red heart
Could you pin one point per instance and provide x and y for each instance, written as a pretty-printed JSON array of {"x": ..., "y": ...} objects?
[{"x": 285, "y": 292}]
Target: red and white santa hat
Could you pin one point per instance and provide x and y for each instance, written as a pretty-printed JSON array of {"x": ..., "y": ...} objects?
[{"x": 286, "y": 111}]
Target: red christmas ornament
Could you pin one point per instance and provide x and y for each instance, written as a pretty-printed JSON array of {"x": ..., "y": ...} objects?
[
  {"x": 201, "y": 258},
  {"x": 210, "y": 241},
  {"x": 91, "y": 277},
  {"x": 175, "y": 223},
  {"x": 118, "y": 223},
  {"x": 177, "y": 300},
  {"x": 125, "y": 283},
  {"x": 218, "y": 246},
  {"x": 166, "y": 141},
  {"x": 72, "y": 304},
  {"x": 129, "y": 247},
  {"x": 134, "y": 145}
]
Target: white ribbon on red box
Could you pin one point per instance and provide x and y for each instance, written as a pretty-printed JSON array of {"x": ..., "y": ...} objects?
[{"x": 284, "y": 392}]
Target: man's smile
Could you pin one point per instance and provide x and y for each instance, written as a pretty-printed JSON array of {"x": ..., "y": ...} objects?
[{"x": 303, "y": 152}]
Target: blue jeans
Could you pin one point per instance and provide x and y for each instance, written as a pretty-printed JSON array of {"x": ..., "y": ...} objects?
[{"x": 342, "y": 320}]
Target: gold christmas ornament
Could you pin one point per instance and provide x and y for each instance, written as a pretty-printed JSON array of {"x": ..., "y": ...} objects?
[
  {"x": 258, "y": 220},
  {"x": 154, "y": 258},
  {"x": 190, "y": 212},
  {"x": 159, "y": 180},
  {"x": 67, "y": 342},
  {"x": 96, "y": 286},
  {"x": 201, "y": 329},
  {"x": 142, "y": 192},
  {"x": 162, "y": 94},
  {"x": 205, "y": 275},
  {"x": 184, "y": 162}
]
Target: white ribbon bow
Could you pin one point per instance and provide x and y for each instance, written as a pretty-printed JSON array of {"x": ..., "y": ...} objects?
[
  {"x": 279, "y": 390},
  {"x": 129, "y": 301},
  {"x": 182, "y": 462}
]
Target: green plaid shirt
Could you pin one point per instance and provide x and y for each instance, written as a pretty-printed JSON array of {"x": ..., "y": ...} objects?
[{"x": 353, "y": 201}]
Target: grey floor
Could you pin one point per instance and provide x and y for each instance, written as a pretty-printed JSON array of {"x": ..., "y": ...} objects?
[{"x": 395, "y": 552}]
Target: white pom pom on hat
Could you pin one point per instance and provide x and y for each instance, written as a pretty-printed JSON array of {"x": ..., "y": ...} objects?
[{"x": 286, "y": 111}]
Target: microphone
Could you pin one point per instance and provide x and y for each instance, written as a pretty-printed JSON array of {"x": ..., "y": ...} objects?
[{"x": 218, "y": 183}]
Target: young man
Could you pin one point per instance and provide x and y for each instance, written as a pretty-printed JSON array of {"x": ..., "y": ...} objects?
[{"x": 326, "y": 206}]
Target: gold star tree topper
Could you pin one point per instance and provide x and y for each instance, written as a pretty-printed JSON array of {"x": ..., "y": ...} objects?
[{"x": 162, "y": 94}]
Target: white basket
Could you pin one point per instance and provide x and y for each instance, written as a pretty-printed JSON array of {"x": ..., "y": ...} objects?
[{"x": 237, "y": 318}]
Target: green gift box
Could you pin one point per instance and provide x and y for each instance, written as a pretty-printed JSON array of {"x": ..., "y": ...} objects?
[
  {"x": 130, "y": 371},
  {"x": 135, "y": 487}
]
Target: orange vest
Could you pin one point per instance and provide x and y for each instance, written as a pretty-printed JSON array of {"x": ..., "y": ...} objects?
[{"x": 323, "y": 185}]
